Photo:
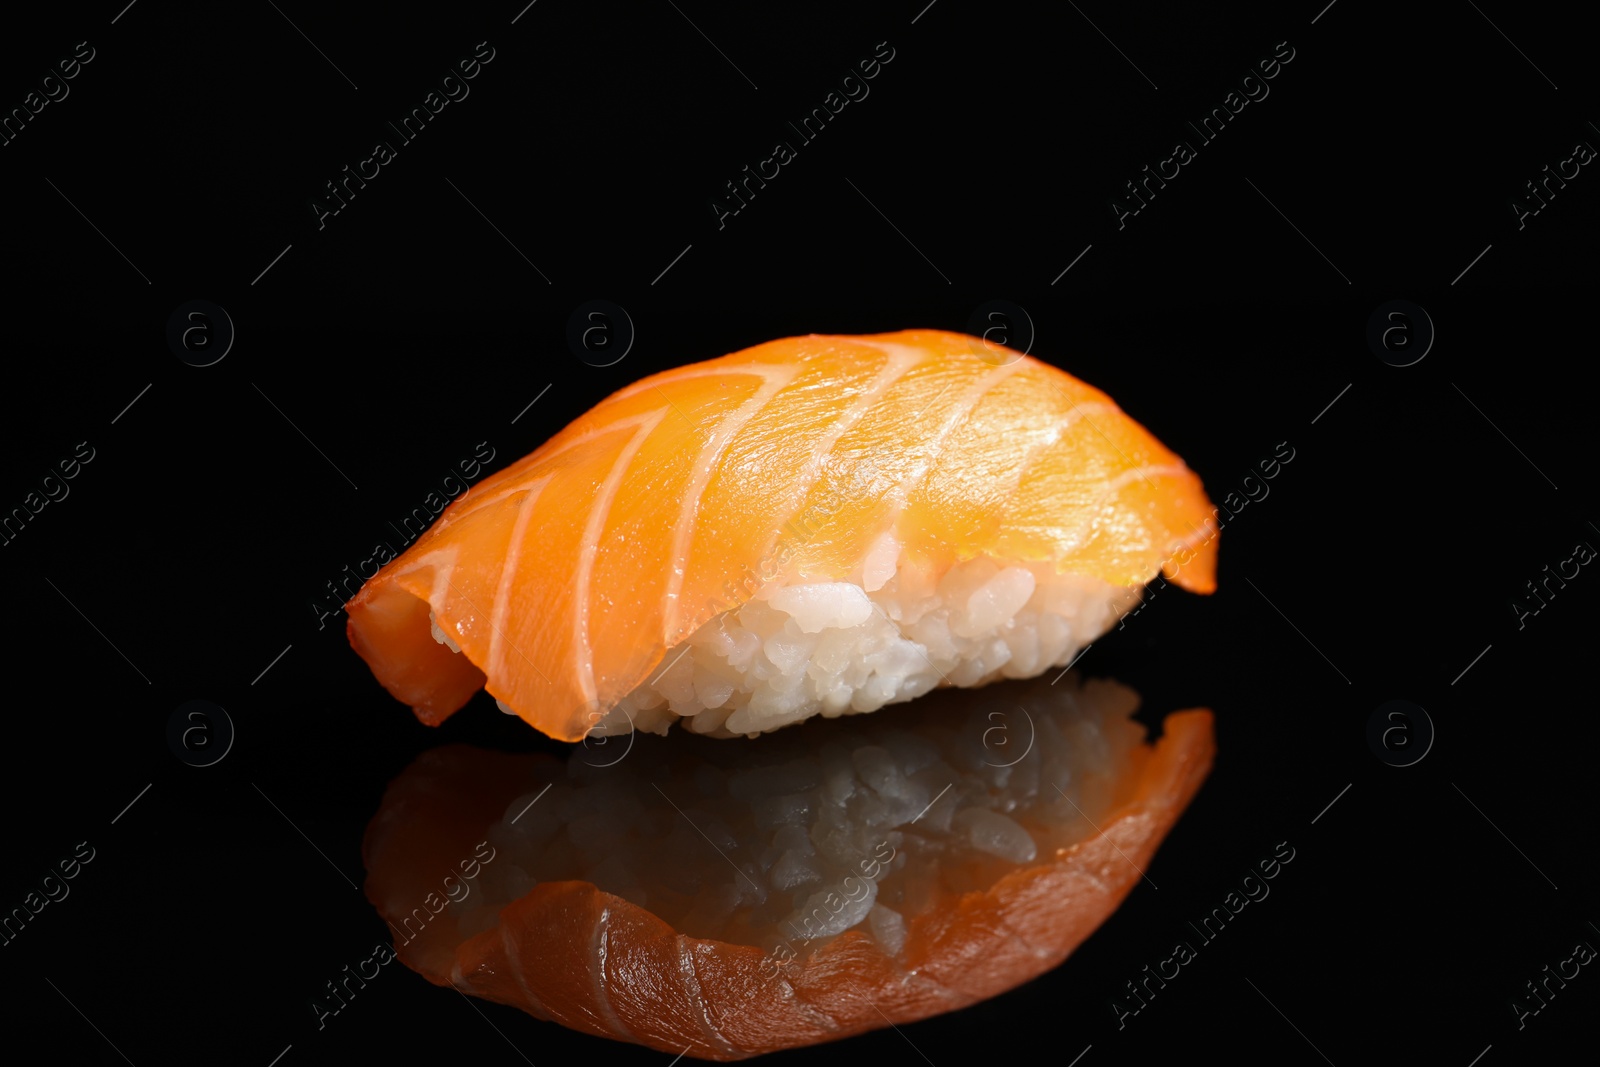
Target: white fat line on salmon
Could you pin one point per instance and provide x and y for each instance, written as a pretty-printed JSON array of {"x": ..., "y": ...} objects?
[
  {"x": 1057, "y": 432},
  {"x": 54, "y": 489},
  {"x": 1184, "y": 152},
  {"x": 430, "y": 908},
  {"x": 497, "y": 637},
  {"x": 13, "y": 122},
  {"x": 805, "y": 526},
  {"x": 508, "y": 575},
  {"x": 955, "y": 417},
  {"x": 599, "y": 982},
  {"x": 810, "y": 127},
  {"x": 411, "y": 526},
  {"x": 408, "y": 129},
  {"x": 773, "y": 381},
  {"x": 37, "y": 899},
  {"x": 588, "y": 547},
  {"x": 1133, "y": 467},
  {"x": 1210, "y": 927}
]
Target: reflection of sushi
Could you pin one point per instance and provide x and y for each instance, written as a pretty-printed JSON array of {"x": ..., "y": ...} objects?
[
  {"x": 819, "y": 525},
  {"x": 731, "y": 900}
]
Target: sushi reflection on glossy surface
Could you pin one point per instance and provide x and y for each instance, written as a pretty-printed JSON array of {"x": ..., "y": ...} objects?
[{"x": 738, "y": 899}]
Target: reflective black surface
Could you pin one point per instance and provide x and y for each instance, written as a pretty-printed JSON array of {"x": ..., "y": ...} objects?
[{"x": 180, "y": 524}]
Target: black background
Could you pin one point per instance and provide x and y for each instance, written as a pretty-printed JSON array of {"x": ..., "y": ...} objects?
[{"x": 379, "y": 350}]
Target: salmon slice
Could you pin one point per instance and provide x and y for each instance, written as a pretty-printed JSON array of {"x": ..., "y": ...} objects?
[
  {"x": 909, "y": 465},
  {"x": 962, "y": 911}
]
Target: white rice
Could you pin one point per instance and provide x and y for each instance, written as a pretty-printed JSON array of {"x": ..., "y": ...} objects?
[
  {"x": 841, "y": 648},
  {"x": 864, "y": 823}
]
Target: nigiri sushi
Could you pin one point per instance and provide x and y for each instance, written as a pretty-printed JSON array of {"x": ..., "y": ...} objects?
[
  {"x": 723, "y": 901},
  {"x": 819, "y": 525}
]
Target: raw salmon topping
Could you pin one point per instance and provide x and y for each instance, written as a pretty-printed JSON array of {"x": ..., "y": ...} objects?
[{"x": 566, "y": 579}]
